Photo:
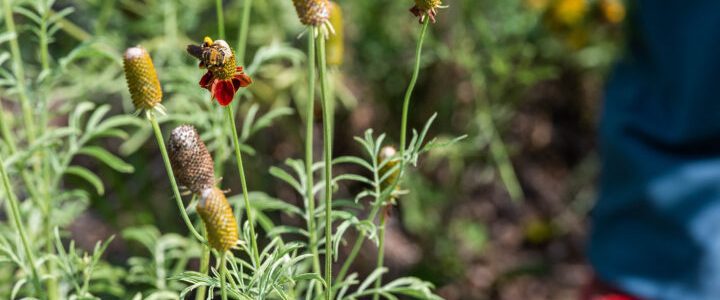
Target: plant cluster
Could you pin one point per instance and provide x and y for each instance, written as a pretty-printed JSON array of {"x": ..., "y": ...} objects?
[{"x": 278, "y": 262}]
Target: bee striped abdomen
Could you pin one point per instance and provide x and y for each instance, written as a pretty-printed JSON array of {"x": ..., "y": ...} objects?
[
  {"x": 219, "y": 220},
  {"x": 190, "y": 159}
]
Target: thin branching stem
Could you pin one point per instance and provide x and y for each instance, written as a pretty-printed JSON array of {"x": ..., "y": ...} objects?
[
  {"x": 309, "y": 127},
  {"x": 16, "y": 218},
  {"x": 19, "y": 72},
  {"x": 327, "y": 145},
  {"x": 223, "y": 274},
  {"x": 381, "y": 253},
  {"x": 243, "y": 183},
  {"x": 171, "y": 176},
  {"x": 243, "y": 32},
  {"x": 408, "y": 93},
  {"x": 220, "y": 19}
]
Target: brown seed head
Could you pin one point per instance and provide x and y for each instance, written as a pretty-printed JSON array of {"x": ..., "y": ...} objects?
[
  {"x": 190, "y": 159},
  {"x": 386, "y": 153},
  {"x": 216, "y": 213},
  {"x": 428, "y": 4},
  {"x": 335, "y": 46},
  {"x": 312, "y": 12},
  {"x": 142, "y": 79}
]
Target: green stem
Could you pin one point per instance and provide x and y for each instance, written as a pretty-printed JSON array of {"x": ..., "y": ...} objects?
[
  {"x": 381, "y": 255},
  {"x": 204, "y": 266},
  {"x": 309, "y": 122},
  {"x": 223, "y": 274},
  {"x": 15, "y": 216},
  {"x": 408, "y": 92},
  {"x": 327, "y": 145},
  {"x": 220, "y": 19},
  {"x": 243, "y": 32},
  {"x": 171, "y": 176},
  {"x": 19, "y": 74},
  {"x": 243, "y": 182}
]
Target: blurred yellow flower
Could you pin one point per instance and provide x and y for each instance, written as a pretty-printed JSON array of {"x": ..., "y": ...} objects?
[
  {"x": 537, "y": 5},
  {"x": 613, "y": 11},
  {"x": 568, "y": 12}
]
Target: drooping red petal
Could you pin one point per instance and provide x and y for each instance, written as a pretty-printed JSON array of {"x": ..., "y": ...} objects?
[
  {"x": 223, "y": 91},
  {"x": 206, "y": 80},
  {"x": 241, "y": 80},
  {"x": 238, "y": 69}
]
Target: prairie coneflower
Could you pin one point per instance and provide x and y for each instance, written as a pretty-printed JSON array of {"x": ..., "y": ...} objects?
[
  {"x": 315, "y": 13},
  {"x": 191, "y": 162},
  {"x": 219, "y": 220},
  {"x": 426, "y": 9},
  {"x": 142, "y": 80},
  {"x": 223, "y": 78}
]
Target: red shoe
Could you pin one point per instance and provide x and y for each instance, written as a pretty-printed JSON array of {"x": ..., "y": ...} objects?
[{"x": 597, "y": 290}]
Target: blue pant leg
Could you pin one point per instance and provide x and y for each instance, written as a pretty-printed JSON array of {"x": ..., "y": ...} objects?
[{"x": 656, "y": 226}]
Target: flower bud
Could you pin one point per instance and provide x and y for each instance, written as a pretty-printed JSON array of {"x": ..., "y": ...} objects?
[
  {"x": 142, "y": 80},
  {"x": 190, "y": 159},
  {"x": 386, "y": 153},
  {"x": 312, "y": 12},
  {"x": 335, "y": 46},
  {"x": 216, "y": 213}
]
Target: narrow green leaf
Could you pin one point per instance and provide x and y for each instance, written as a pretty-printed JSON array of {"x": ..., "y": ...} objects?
[
  {"x": 108, "y": 158},
  {"x": 90, "y": 177}
]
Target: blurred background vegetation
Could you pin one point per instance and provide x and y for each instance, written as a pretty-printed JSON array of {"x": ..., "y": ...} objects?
[{"x": 500, "y": 215}]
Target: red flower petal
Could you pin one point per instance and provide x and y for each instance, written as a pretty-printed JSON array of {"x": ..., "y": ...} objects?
[
  {"x": 223, "y": 91},
  {"x": 241, "y": 80},
  {"x": 239, "y": 69},
  {"x": 206, "y": 80}
]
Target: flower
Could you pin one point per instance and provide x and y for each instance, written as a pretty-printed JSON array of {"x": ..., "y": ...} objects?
[
  {"x": 142, "y": 80},
  {"x": 216, "y": 213},
  {"x": 312, "y": 12},
  {"x": 190, "y": 160},
  {"x": 426, "y": 8},
  {"x": 223, "y": 78},
  {"x": 613, "y": 11}
]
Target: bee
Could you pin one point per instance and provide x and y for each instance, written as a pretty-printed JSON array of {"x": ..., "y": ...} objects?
[{"x": 211, "y": 53}]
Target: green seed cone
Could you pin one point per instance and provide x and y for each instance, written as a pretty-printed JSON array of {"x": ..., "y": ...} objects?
[
  {"x": 142, "y": 79},
  {"x": 312, "y": 12},
  {"x": 191, "y": 162},
  {"x": 219, "y": 220}
]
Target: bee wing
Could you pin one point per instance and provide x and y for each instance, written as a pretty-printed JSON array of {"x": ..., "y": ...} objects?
[{"x": 195, "y": 51}]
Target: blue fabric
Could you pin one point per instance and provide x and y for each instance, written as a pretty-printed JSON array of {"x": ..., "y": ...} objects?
[{"x": 656, "y": 226}]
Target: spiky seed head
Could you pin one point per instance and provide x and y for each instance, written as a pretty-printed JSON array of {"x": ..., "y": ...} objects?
[
  {"x": 312, "y": 12},
  {"x": 335, "y": 44},
  {"x": 191, "y": 162},
  {"x": 389, "y": 164},
  {"x": 216, "y": 213},
  {"x": 428, "y": 4},
  {"x": 142, "y": 79}
]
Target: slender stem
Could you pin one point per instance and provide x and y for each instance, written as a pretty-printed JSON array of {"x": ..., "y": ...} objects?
[
  {"x": 406, "y": 105},
  {"x": 309, "y": 122},
  {"x": 15, "y": 216},
  {"x": 220, "y": 19},
  {"x": 204, "y": 266},
  {"x": 327, "y": 143},
  {"x": 381, "y": 254},
  {"x": 408, "y": 92},
  {"x": 171, "y": 176},
  {"x": 19, "y": 73},
  {"x": 223, "y": 273},
  {"x": 243, "y": 182},
  {"x": 243, "y": 32}
]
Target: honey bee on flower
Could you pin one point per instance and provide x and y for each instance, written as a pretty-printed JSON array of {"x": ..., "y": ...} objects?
[{"x": 223, "y": 78}]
